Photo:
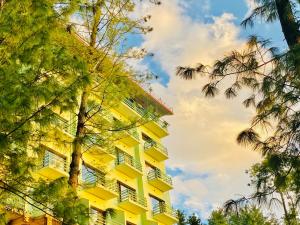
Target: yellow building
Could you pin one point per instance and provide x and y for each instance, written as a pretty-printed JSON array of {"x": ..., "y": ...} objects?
[{"x": 130, "y": 178}]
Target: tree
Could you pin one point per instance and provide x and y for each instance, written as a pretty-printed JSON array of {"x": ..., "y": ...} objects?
[
  {"x": 107, "y": 23},
  {"x": 184, "y": 219},
  {"x": 65, "y": 55},
  {"x": 181, "y": 217},
  {"x": 38, "y": 71},
  {"x": 273, "y": 77},
  {"x": 217, "y": 217},
  {"x": 249, "y": 216},
  {"x": 194, "y": 220}
]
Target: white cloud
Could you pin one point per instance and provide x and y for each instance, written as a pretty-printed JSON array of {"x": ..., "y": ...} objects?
[
  {"x": 203, "y": 131},
  {"x": 251, "y": 4}
]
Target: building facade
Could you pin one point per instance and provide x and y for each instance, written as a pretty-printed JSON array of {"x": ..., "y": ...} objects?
[{"x": 130, "y": 178}]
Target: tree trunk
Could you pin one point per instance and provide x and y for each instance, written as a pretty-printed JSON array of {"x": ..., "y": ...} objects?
[
  {"x": 77, "y": 144},
  {"x": 286, "y": 214},
  {"x": 82, "y": 115},
  {"x": 289, "y": 25}
]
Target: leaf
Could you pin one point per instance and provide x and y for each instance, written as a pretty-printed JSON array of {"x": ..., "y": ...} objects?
[
  {"x": 248, "y": 137},
  {"x": 210, "y": 90},
  {"x": 230, "y": 92},
  {"x": 187, "y": 73},
  {"x": 249, "y": 102}
]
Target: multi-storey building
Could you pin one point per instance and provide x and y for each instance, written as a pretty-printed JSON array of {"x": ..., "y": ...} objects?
[{"x": 130, "y": 177}]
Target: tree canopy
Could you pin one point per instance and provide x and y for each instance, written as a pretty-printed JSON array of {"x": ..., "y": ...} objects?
[{"x": 58, "y": 57}]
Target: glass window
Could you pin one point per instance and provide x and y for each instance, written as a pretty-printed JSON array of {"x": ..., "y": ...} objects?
[
  {"x": 156, "y": 202},
  {"x": 91, "y": 175},
  {"x": 149, "y": 168},
  {"x": 96, "y": 216}
]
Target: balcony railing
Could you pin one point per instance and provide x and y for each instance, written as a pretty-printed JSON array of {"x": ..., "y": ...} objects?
[
  {"x": 160, "y": 147},
  {"x": 133, "y": 133},
  {"x": 64, "y": 124},
  {"x": 94, "y": 139},
  {"x": 54, "y": 161},
  {"x": 124, "y": 158},
  {"x": 157, "y": 174},
  {"x": 96, "y": 217},
  {"x": 130, "y": 195},
  {"x": 97, "y": 179},
  {"x": 135, "y": 107},
  {"x": 164, "y": 208},
  {"x": 163, "y": 124},
  {"x": 141, "y": 111}
]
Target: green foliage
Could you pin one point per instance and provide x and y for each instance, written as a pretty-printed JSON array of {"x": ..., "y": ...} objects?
[
  {"x": 38, "y": 71},
  {"x": 217, "y": 218},
  {"x": 45, "y": 67},
  {"x": 249, "y": 216},
  {"x": 181, "y": 217},
  {"x": 194, "y": 220},
  {"x": 69, "y": 207}
]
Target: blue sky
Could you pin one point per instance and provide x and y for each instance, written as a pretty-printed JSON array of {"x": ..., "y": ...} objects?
[
  {"x": 204, "y": 11},
  {"x": 207, "y": 166}
]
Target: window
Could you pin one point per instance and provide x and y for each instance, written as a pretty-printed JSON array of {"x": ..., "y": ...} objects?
[
  {"x": 157, "y": 204},
  {"x": 145, "y": 137},
  {"x": 97, "y": 216},
  {"x": 123, "y": 157},
  {"x": 126, "y": 192},
  {"x": 150, "y": 168},
  {"x": 91, "y": 175},
  {"x": 55, "y": 160}
]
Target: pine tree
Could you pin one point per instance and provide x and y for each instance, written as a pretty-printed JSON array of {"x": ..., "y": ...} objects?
[
  {"x": 38, "y": 71},
  {"x": 181, "y": 217},
  {"x": 109, "y": 79},
  {"x": 273, "y": 77},
  {"x": 194, "y": 220}
]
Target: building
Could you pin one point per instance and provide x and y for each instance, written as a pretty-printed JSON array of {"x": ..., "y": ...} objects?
[{"x": 130, "y": 178}]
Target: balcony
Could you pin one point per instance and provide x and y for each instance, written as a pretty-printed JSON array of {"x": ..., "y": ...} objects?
[
  {"x": 130, "y": 137},
  {"x": 131, "y": 109},
  {"x": 127, "y": 165},
  {"x": 156, "y": 150},
  {"x": 100, "y": 187},
  {"x": 63, "y": 126},
  {"x": 157, "y": 126},
  {"x": 53, "y": 166},
  {"x": 164, "y": 214},
  {"x": 160, "y": 180},
  {"x": 94, "y": 149},
  {"x": 131, "y": 202},
  {"x": 96, "y": 217}
]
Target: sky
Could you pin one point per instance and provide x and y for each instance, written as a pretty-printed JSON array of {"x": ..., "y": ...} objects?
[{"x": 207, "y": 165}]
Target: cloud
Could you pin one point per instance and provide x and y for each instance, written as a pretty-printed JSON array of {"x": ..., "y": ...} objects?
[
  {"x": 251, "y": 4},
  {"x": 203, "y": 131}
]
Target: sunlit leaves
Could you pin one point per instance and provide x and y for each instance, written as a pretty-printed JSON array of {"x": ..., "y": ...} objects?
[{"x": 233, "y": 215}]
